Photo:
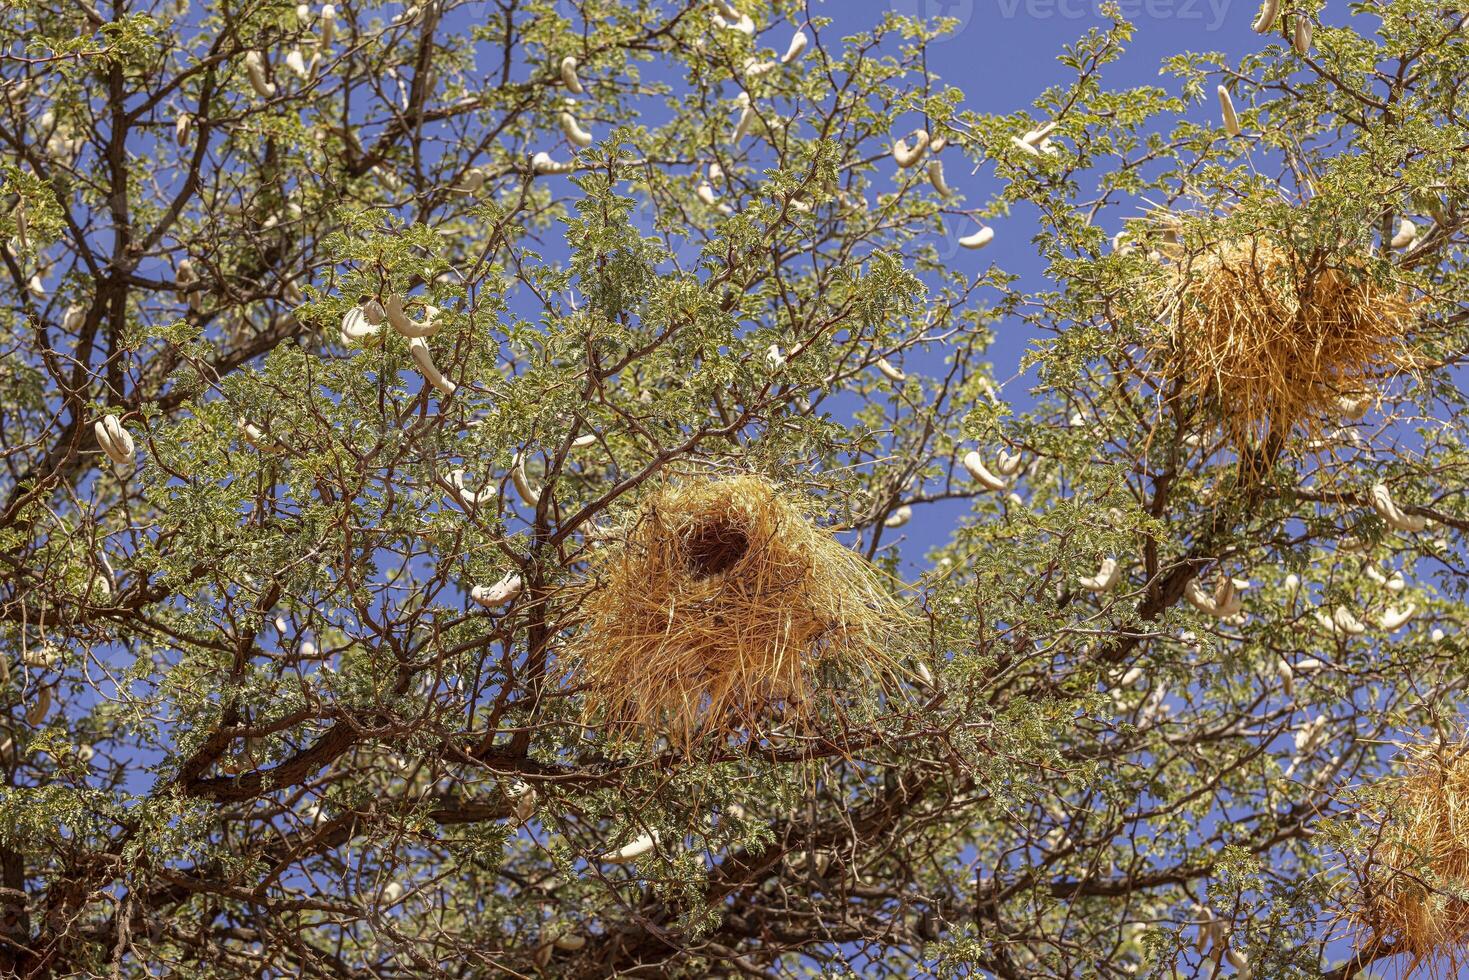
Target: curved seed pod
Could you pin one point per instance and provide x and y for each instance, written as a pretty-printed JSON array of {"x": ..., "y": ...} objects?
[
  {"x": 1048, "y": 148},
  {"x": 1008, "y": 464},
  {"x": 775, "y": 358},
  {"x": 297, "y": 63},
  {"x": 472, "y": 181},
  {"x": 1407, "y": 231},
  {"x": 528, "y": 493},
  {"x": 1028, "y": 148},
  {"x": 470, "y": 498},
  {"x": 570, "y": 942},
  {"x": 40, "y": 707},
  {"x": 705, "y": 193},
  {"x": 974, "y": 463},
  {"x": 716, "y": 172},
  {"x": 502, "y": 593},
  {"x": 328, "y": 25},
  {"x": 401, "y": 322},
  {"x": 392, "y": 892},
  {"x": 747, "y": 115},
  {"x": 255, "y": 69},
  {"x": 355, "y": 326},
  {"x": 1286, "y": 676},
  {"x": 104, "y": 440},
  {"x": 936, "y": 178},
  {"x": 728, "y": 9},
  {"x": 1345, "y": 621},
  {"x": 1036, "y": 136},
  {"x": 1395, "y": 582},
  {"x": 743, "y": 24},
  {"x": 1394, "y": 618},
  {"x": 120, "y": 436},
  {"x": 73, "y": 317},
  {"x": 1106, "y": 579},
  {"x": 1301, "y": 36},
  {"x": 542, "y": 163},
  {"x": 796, "y": 48},
  {"x": 924, "y": 674},
  {"x": 573, "y": 131},
  {"x": 568, "y": 75},
  {"x": 1226, "y": 108},
  {"x": 899, "y": 517},
  {"x": 373, "y": 312},
  {"x": 630, "y": 852},
  {"x": 1265, "y": 19},
  {"x": 1292, "y": 583},
  {"x": 1205, "y": 603},
  {"x": 1382, "y": 502},
  {"x": 890, "y": 372},
  {"x": 979, "y": 239},
  {"x": 754, "y": 67},
  {"x": 303, "y": 14},
  {"x": 181, "y": 127},
  {"x": 35, "y": 287},
  {"x": 906, "y": 156},
  {"x": 418, "y": 349},
  {"x": 582, "y": 442}
]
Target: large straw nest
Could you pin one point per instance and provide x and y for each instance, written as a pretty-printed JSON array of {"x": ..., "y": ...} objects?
[
  {"x": 1270, "y": 339},
  {"x": 1413, "y": 886},
  {"x": 719, "y": 608}
]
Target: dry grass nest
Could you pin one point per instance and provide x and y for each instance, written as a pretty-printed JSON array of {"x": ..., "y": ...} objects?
[
  {"x": 1413, "y": 887},
  {"x": 717, "y": 609},
  {"x": 1273, "y": 340}
]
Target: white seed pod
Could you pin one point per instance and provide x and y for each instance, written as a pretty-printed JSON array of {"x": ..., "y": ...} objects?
[
  {"x": 355, "y": 326},
  {"x": 936, "y": 178},
  {"x": 1226, "y": 108},
  {"x": 1407, "y": 231},
  {"x": 303, "y": 14},
  {"x": 570, "y": 942},
  {"x": 108, "y": 441},
  {"x": 1437, "y": 636},
  {"x": 573, "y": 130},
  {"x": 747, "y": 115},
  {"x": 296, "y": 62},
  {"x": 582, "y": 442},
  {"x": 906, "y": 156},
  {"x": 39, "y": 707},
  {"x": 392, "y": 891},
  {"x": 542, "y": 163},
  {"x": 35, "y": 287},
  {"x": 255, "y": 69},
  {"x": 471, "y": 498},
  {"x": 1309, "y": 736},
  {"x": 630, "y": 852},
  {"x": 775, "y": 358},
  {"x": 568, "y": 75},
  {"x": 502, "y": 593},
  {"x": 716, "y": 172},
  {"x": 753, "y": 68},
  {"x": 328, "y": 25},
  {"x": 1395, "y": 582},
  {"x": 72, "y": 319},
  {"x": 255, "y": 438},
  {"x": 392, "y": 307},
  {"x": 890, "y": 372},
  {"x": 974, "y": 463},
  {"x": 1345, "y": 621},
  {"x": 472, "y": 182},
  {"x": 1265, "y": 19},
  {"x": 978, "y": 239},
  {"x": 1292, "y": 583},
  {"x": 1301, "y": 36},
  {"x": 1048, "y": 148},
  {"x": 1008, "y": 464},
  {"x": 1025, "y": 147},
  {"x": 1223, "y": 604},
  {"x": 796, "y": 48},
  {"x": 42, "y": 657},
  {"x": 705, "y": 193},
  {"x": 423, "y": 357},
  {"x": 1382, "y": 502},
  {"x": 1106, "y": 578},
  {"x": 1395, "y": 618},
  {"x": 1036, "y": 136},
  {"x": 181, "y": 127},
  {"x": 1308, "y": 665},
  {"x": 528, "y": 493},
  {"x": 1286, "y": 676},
  {"x": 742, "y": 23},
  {"x": 899, "y": 517}
]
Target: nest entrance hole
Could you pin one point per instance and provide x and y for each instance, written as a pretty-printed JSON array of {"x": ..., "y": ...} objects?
[{"x": 714, "y": 546}]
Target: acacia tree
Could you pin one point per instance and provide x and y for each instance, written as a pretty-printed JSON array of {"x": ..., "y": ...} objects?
[{"x": 253, "y": 722}]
